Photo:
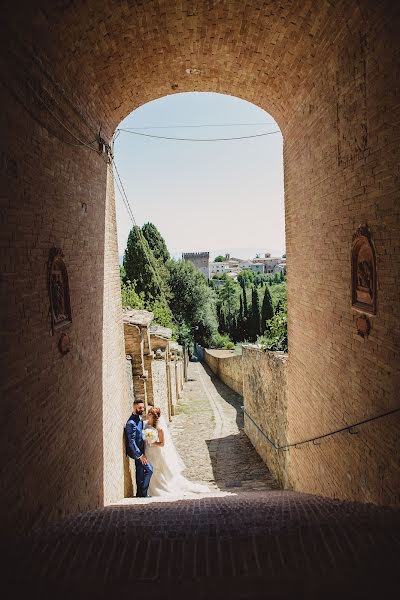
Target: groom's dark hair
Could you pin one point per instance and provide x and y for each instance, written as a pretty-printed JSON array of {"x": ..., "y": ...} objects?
[{"x": 137, "y": 401}]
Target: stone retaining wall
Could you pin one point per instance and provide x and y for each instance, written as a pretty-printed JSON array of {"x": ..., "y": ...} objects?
[{"x": 228, "y": 368}]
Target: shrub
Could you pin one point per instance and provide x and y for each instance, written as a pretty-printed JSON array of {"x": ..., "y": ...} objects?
[{"x": 219, "y": 341}]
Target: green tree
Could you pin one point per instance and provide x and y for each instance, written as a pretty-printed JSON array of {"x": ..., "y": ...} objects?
[
  {"x": 245, "y": 311},
  {"x": 267, "y": 310},
  {"x": 246, "y": 278},
  {"x": 254, "y": 320},
  {"x": 228, "y": 297},
  {"x": 156, "y": 242},
  {"x": 282, "y": 276},
  {"x": 241, "y": 313},
  {"x": 129, "y": 296},
  {"x": 141, "y": 266},
  {"x": 193, "y": 302},
  {"x": 219, "y": 258},
  {"x": 276, "y": 336}
]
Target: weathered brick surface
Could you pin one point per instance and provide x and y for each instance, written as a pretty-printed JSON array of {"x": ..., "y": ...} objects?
[
  {"x": 227, "y": 367},
  {"x": 328, "y": 73},
  {"x": 275, "y": 545},
  {"x": 265, "y": 401},
  {"x": 160, "y": 386}
]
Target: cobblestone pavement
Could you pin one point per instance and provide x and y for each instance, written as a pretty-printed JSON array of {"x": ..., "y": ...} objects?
[
  {"x": 208, "y": 433},
  {"x": 254, "y": 542}
]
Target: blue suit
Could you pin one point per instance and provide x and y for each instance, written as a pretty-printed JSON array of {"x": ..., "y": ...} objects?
[{"x": 135, "y": 449}]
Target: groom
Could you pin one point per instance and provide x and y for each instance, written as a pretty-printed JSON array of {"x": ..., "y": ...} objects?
[{"x": 135, "y": 449}]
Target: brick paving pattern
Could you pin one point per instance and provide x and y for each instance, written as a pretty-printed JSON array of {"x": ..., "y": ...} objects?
[{"x": 257, "y": 542}]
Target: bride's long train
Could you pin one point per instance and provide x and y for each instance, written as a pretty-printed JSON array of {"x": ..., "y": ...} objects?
[{"x": 167, "y": 478}]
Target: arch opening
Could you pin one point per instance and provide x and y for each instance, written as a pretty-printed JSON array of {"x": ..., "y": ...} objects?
[{"x": 326, "y": 74}]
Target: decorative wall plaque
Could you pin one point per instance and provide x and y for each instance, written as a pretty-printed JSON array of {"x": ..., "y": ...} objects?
[
  {"x": 60, "y": 305},
  {"x": 363, "y": 326},
  {"x": 64, "y": 343},
  {"x": 363, "y": 271}
]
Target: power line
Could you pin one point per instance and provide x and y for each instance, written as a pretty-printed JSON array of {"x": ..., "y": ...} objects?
[
  {"x": 81, "y": 143},
  {"x": 161, "y": 137},
  {"x": 142, "y": 239},
  {"x": 204, "y": 125}
]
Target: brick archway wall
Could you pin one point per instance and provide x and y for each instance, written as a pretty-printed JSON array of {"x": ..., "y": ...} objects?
[{"x": 327, "y": 73}]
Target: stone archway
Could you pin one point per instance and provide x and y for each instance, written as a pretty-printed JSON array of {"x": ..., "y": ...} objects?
[{"x": 326, "y": 71}]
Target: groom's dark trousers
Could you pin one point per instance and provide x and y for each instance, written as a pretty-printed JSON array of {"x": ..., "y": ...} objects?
[{"x": 135, "y": 449}]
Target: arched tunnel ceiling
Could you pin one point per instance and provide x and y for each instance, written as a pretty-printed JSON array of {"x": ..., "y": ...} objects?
[{"x": 114, "y": 56}]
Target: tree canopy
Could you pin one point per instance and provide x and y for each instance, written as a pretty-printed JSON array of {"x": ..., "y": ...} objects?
[
  {"x": 193, "y": 302},
  {"x": 141, "y": 266},
  {"x": 156, "y": 242},
  {"x": 267, "y": 310},
  {"x": 219, "y": 258}
]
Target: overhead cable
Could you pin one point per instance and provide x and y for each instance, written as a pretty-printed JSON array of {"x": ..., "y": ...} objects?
[
  {"x": 142, "y": 239},
  {"x": 203, "y": 125},
  {"x": 176, "y": 139}
]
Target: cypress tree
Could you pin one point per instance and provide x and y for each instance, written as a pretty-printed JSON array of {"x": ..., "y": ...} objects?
[
  {"x": 140, "y": 265},
  {"x": 156, "y": 242},
  {"x": 255, "y": 315},
  {"x": 267, "y": 310},
  {"x": 245, "y": 311}
]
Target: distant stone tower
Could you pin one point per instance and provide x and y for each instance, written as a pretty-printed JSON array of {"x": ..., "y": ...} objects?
[{"x": 201, "y": 260}]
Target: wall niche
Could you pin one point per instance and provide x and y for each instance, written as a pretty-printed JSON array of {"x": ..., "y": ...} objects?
[
  {"x": 363, "y": 271},
  {"x": 58, "y": 284}
]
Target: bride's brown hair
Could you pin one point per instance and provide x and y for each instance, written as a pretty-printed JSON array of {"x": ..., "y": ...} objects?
[{"x": 155, "y": 412}]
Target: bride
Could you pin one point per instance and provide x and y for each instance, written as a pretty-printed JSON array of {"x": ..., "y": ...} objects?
[{"x": 167, "y": 478}]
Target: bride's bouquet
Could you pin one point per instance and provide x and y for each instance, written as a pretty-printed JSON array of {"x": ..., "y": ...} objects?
[{"x": 150, "y": 435}]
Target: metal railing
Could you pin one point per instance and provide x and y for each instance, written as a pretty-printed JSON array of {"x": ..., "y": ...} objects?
[{"x": 314, "y": 440}]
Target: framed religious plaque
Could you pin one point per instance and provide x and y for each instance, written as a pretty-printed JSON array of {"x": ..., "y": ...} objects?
[
  {"x": 58, "y": 285},
  {"x": 363, "y": 272}
]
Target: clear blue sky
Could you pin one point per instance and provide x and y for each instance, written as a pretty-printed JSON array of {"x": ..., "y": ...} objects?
[{"x": 217, "y": 196}]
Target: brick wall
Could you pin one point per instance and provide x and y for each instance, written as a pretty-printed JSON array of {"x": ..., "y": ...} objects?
[
  {"x": 328, "y": 73},
  {"x": 228, "y": 368},
  {"x": 265, "y": 401},
  {"x": 116, "y": 402},
  {"x": 160, "y": 386}
]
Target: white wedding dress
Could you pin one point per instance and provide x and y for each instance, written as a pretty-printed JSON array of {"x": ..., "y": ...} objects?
[{"x": 167, "y": 478}]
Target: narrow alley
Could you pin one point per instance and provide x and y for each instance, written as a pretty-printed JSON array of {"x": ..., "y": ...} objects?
[{"x": 208, "y": 433}]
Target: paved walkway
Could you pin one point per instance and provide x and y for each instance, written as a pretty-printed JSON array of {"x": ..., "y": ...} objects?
[
  {"x": 257, "y": 542},
  {"x": 208, "y": 433}
]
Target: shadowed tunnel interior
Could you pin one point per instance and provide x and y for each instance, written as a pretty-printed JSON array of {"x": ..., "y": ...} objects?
[{"x": 328, "y": 73}]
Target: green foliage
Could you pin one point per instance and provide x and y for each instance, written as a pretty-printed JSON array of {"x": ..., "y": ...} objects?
[
  {"x": 246, "y": 278},
  {"x": 162, "y": 314},
  {"x": 156, "y": 242},
  {"x": 254, "y": 319},
  {"x": 129, "y": 296},
  {"x": 220, "y": 341},
  {"x": 230, "y": 345},
  {"x": 267, "y": 310},
  {"x": 192, "y": 301},
  {"x": 141, "y": 266},
  {"x": 184, "y": 336},
  {"x": 219, "y": 258},
  {"x": 276, "y": 337}
]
